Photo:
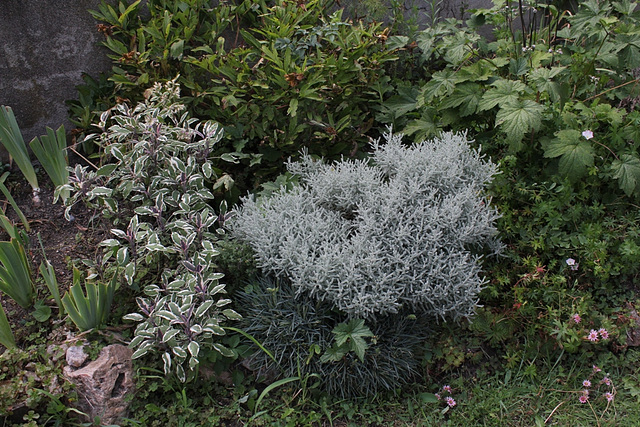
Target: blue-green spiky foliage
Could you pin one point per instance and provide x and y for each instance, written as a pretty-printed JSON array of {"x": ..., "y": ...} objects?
[{"x": 291, "y": 327}]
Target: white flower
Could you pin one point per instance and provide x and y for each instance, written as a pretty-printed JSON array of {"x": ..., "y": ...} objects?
[
  {"x": 587, "y": 134},
  {"x": 572, "y": 263}
]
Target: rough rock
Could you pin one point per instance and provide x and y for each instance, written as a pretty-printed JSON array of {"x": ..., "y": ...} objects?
[
  {"x": 76, "y": 356},
  {"x": 633, "y": 332},
  {"x": 104, "y": 384}
]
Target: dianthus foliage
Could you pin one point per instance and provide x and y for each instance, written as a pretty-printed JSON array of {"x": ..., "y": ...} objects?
[
  {"x": 401, "y": 232},
  {"x": 299, "y": 332}
]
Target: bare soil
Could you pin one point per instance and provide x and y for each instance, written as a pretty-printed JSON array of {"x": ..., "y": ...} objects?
[{"x": 65, "y": 243}]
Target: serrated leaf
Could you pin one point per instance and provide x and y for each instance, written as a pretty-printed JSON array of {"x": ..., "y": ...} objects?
[
  {"x": 359, "y": 346},
  {"x": 396, "y": 42},
  {"x": 333, "y": 354},
  {"x": 423, "y": 127},
  {"x": 467, "y": 96},
  {"x": 354, "y": 328},
  {"x": 519, "y": 66},
  {"x": 627, "y": 171},
  {"x": 503, "y": 92},
  {"x": 441, "y": 83},
  {"x": 457, "y": 47},
  {"x": 575, "y": 152},
  {"x": 542, "y": 78},
  {"x": 518, "y": 118}
]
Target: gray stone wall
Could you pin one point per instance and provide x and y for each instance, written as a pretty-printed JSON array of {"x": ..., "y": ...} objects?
[
  {"x": 45, "y": 47},
  {"x": 48, "y": 44}
]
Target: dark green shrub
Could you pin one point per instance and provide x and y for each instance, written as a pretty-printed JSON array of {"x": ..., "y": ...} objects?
[
  {"x": 560, "y": 97},
  {"x": 277, "y": 77}
]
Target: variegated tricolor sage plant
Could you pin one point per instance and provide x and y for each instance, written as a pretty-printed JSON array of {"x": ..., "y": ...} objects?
[{"x": 158, "y": 182}]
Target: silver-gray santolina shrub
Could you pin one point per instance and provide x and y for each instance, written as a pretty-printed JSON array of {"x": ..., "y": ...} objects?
[{"x": 400, "y": 232}]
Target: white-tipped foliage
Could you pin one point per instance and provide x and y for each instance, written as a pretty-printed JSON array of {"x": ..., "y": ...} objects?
[{"x": 395, "y": 233}]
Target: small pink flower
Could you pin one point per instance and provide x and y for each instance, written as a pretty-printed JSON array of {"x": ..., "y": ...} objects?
[
  {"x": 447, "y": 389},
  {"x": 603, "y": 333},
  {"x": 450, "y": 401},
  {"x": 609, "y": 396},
  {"x": 576, "y": 318},
  {"x": 586, "y": 383},
  {"x": 596, "y": 369},
  {"x": 606, "y": 381},
  {"x": 587, "y": 134},
  {"x": 572, "y": 264},
  {"x": 593, "y": 336},
  {"x": 438, "y": 396},
  {"x": 583, "y": 398}
]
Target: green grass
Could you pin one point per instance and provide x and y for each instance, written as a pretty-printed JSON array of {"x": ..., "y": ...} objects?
[{"x": 547, "y": 395}]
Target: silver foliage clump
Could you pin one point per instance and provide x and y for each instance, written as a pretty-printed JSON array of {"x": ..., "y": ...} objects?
[{"x": 399, "y": 232}]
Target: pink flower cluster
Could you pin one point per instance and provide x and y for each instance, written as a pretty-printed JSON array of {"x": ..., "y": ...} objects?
[
  {"x": 450, "y": 401},
  {"x": 595, "y": 336},
  {"x": 587, "y": 387},
  {"x": 584, "y": 396}
]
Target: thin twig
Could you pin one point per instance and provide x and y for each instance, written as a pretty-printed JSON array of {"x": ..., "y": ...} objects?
[
  {"x": 554, "y": 410},
  {"x": 610, "y": 150},
  {"x": 83, "y": 157},
  {"x": 613, "y": 88},
  {"x": 594, "y": 413}
]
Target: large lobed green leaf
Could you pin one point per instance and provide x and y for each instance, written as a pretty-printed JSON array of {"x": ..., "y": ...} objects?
[
  {"x": 626, "y": 170},
  {"x": 575, "y": 152}
]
